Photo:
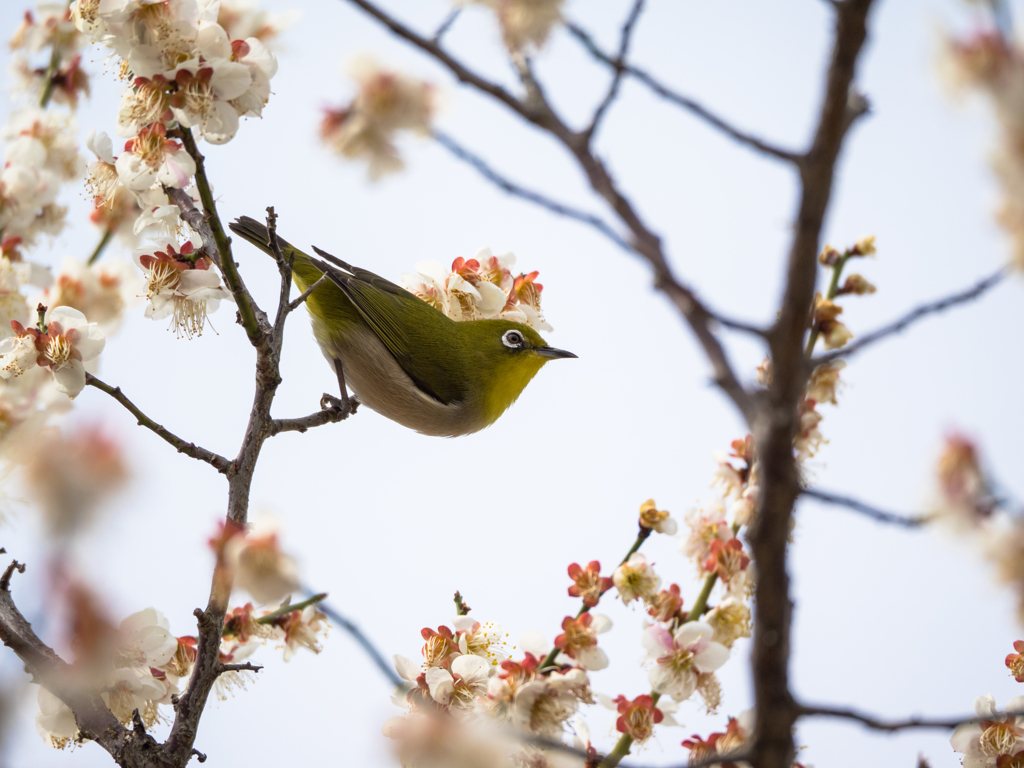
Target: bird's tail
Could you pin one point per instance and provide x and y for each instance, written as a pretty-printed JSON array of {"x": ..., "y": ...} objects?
[{"x": 253, "y": 232}]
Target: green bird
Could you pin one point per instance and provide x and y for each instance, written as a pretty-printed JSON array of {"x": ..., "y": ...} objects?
[{"x": 402, "y": 357}]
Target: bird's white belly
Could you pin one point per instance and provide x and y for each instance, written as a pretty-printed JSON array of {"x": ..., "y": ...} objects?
[{"x": 380, "y": 383}]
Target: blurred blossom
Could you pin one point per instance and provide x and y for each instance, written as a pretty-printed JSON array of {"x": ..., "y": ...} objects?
[
  {"x": 638, "y": 717},
  {"x": 833, "y": 332},
  {"x": 243, "y": 20},
  {"x": 525, "y": 24},
  {"x": 996, "y": 735},
  {"x": 481, "y": 288},
  {"x": 578, "y": 640},
  {"x": 260, "y": 566},
  {"x": 705, "y": 525},
  {"x": 964, "y": 496},
  {"x": 72, "y": 475},
  {"x": 651, "y": 517},
  {"x": 993, "y": 65},
  {"x": 302, "y": 629},
  {"x": 100, "y": 292},
  {"x": 428, "y": 740},
  {"x": 387, "y": 102},
  {"x": 730, "y": 620},
  {"x": 1015, "y": 661}
]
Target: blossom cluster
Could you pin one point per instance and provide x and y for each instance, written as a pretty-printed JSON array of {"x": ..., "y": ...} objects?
[
  {"x": 141, "y": 664},
  {"x": 995, "y": 739},
  {"x": 481, "y": 288},
  {"x": 387, "y": 102}
]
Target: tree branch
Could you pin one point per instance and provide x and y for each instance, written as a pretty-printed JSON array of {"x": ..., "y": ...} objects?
[
  {"x": 875, "y": 723},
  {"x": 304, "y": 423},
  {"x": 248, "y": 311},
  {"x": 245, "y": 667},
  {"x": 874, "y": 513},
  {"x": 537, "y": 198},
  {"x": 365, "y": 643},
  {"x": 618, "y": 64},
  {"x": 775, "y": 710},
  {"x": 686, "y": 103},
  {"x": 931, "y": 308},
  {"x": 446, "y": 25},
  {"x": 192, "y": 450},
  {"x": 305, "y": 294}
]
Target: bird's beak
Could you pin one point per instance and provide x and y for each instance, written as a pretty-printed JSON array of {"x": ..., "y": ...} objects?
[{"x": 552, "y": 353}]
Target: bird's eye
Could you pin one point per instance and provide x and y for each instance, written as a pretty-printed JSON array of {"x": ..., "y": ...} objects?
[{"x": 512, "y": 339}]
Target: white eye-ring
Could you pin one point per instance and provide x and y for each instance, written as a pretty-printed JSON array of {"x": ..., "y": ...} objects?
[{"x": 512, "y": 339}]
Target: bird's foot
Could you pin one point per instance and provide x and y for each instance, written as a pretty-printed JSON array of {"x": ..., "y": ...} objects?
[{"x": 341, "y": 408}]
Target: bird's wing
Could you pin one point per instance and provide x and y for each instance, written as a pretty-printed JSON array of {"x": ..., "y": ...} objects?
[{"x": 421, "y": 343}]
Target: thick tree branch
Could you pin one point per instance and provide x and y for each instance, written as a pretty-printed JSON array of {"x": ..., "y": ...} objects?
[
  {"x": 618, "y": 64},
  {"x": 215, "y": 460},
  {"x": 776, "y": 712},
  {"x": 874, "y": 513},
  {"x": 931, "y": 308},
  {"x": 686, "y": 103}
]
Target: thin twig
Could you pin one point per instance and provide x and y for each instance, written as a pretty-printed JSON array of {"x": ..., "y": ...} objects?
[
  {"x": 876, "y": 723},
  {"x": 916, "y": 314},
  {"x": 874, "y": 513},
  {"x": 318, "y": 419},
  {"x": 5, "y": 580},
  {"x": 537, "y": 198},
  {"x": 245, "y": 667},
  {"x": 247, "y": 309},
  {"x": 192, "y": 450},
  {"x": 619, "y": 65},
  {"x": 446, "y": 25},
  {"x": 685, "y": 102},
  {"x": 305, "y": 294},
  {"x": 100, "y": 246},
  {"x": 365, "y": 642},
  {"x": 287, "y": 608}
]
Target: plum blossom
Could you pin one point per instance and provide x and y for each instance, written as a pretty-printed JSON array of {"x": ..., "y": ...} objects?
[
  {"x": 589, "y": 584},
  {"x": 481, "y": 288},
  {"x": 1015, "y": 661},
  {"x": 730, "y": 620},
  {"x": 995, "y": 735},
  {"x": 151, "y": 157},
  {"x": 69, "y": 342},
  {"x": 638, "y": 717},
  {"x": 833, "y": 332},
  {"x": 964, "y": 496},
  {"x": 485, "y": 640},
  {"x": 205, "y": 89},
  {"x": 55, "y": 721},
  {"x": 525, "y": 24},
  {"x": 666, "y": 605},
  {"x": 681, "y": 656},
  {"x": 636, "y": 579},
  {"x": 706, "y": 525},
  {"x": 543, "y": 704},
  {"x": 728, "y": 560},
  {"x": 460, "y": 687},
  {"x": 651, "y": 517},
  {"x": 578, "y": 640},
  {"x": 180, "y": 285}
]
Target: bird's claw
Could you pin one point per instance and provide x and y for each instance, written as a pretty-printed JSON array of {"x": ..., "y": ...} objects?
[{"x": 340, "y": 407}]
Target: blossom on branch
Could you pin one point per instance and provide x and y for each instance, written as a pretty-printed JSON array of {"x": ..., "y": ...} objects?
[
  {"x": 589, "y": 584},
  {"x": 680, "y": 657},
  {"x": 651, "y": 517},
  {"x": 578, "y": 640},
  {"x": 994, "y": 736},
  {"x": 635, "y": 579}
]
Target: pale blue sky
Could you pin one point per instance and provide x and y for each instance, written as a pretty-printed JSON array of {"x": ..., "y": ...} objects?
[{"x": 392, "y": 523}]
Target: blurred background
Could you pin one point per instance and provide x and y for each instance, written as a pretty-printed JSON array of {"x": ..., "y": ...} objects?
[{"x": 391, "y": 523}]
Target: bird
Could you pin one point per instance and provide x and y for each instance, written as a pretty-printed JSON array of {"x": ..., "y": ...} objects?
[{"x": 402, "y": 357}]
